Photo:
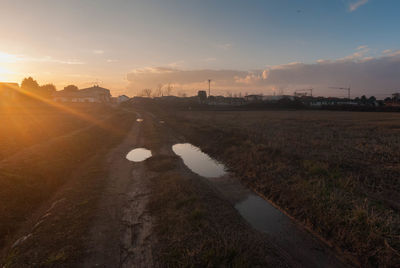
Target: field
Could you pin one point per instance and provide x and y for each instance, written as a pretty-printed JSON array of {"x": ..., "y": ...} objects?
[
  {"x": 53, "y": 147},
  {"x": 337, "y": 173},
  {"x": 22, "y": 127}
]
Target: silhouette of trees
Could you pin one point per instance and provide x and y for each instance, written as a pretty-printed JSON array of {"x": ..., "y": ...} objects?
[
  {"x": 158, "y": 92},
  {"x": 47, "y": 90},
  {"x": 147, "y": 92},
  {"x": 30, "y": 85},
  {"x": 71, "y": 88},
  {"x": 168, "y": 90},
  {"x": 372, "y": 99},
  {"x": 363, "y": 99}
]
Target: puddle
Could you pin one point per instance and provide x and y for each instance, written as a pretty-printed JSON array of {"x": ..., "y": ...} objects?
[
  {"x": 199, "y": 162},
  {"x": 139, "y": 120},
  {"x": 138, "y": 155},
  {"x": 259, "y": 213}
]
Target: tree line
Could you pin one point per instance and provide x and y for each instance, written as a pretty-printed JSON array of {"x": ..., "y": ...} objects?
[{"x": 30, "y": 86}]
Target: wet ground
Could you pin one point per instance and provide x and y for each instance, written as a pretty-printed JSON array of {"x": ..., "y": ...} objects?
[
  {"x": 123, "y": 230},
  {"x": 258, "y": 212}
]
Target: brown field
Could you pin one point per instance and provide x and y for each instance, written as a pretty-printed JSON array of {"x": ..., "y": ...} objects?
[
  {"x": 22, "y": 127},
  {"x": 51, "y": 148},
  {"x": 336, "y": 172}
]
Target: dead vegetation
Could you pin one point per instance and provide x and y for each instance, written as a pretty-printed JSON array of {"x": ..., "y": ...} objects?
[
  {"x": 194, "y": 227},
  {"x": 34, "y": 176},
  {"x": 337, "y": 172}
]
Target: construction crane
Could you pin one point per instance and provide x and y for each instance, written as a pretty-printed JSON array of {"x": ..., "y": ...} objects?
[
  {"x": 298, "y": 92},
  {"x": 344, "y": 88}
]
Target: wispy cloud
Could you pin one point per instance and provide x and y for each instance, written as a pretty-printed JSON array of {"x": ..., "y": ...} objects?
[
  {"x": 355, "y": 5},
  {"x": 225, "y": 46},
  {"x": 51, "y": 60},
  {"x": 366, "y": 74},
  {"x": 98, "y": 51},
  {"x": 12, "y": 58},
  {"x": 209, "y": 59}
]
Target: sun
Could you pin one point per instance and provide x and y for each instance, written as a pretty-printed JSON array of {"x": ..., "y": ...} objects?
[{"x": 5, "y": 74}]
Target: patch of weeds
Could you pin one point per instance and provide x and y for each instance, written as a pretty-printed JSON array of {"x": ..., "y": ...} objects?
[{"x": 56, "y": 258}]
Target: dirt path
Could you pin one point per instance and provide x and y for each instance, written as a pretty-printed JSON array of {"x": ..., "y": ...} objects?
[{"x": 121, "y": 235}]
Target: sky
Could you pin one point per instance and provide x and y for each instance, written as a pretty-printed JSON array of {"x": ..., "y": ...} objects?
[{"x": 252, "y": 46}]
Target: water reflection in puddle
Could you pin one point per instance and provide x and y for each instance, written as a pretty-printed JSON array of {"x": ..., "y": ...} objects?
[
  {"x": 139, "y": 120},
  {"x": 199, "y": 162},
  {"x": 138, "y": 155},
  {"x": 262, "y": 215},
  {"x": 259, "y": 213}
]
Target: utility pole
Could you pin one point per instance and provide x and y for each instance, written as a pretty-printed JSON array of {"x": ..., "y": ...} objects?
[{"x": 209, "y": 87}]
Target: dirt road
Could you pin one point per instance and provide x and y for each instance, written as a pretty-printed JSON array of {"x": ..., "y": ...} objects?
[
  {"x": 126, "y": 232},
  {"x": 121, "y": 235}
]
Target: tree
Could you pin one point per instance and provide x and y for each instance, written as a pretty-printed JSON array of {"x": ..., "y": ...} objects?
[
  {"x": 147, "y": 92},
  {"x": 47, "y": 90},
  {"x": 30, "y": 85},
  {"x": 71, "y": 88},
  {"x": 372, "y": 99},
  {"x": 168, "y": 90},
  {"x": 363, "y": 99},
  {"x": 158, "y": 92}
]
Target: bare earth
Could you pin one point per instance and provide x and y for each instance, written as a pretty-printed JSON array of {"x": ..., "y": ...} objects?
[{"x": 121, "y": 235}]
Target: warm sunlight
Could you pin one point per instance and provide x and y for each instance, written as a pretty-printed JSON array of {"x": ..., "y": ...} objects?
[{"x": 170, "y": 133}]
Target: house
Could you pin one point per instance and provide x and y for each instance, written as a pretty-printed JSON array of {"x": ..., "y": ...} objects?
[
  {"x": 253, "y": 98},
  {"x": 93, "y": 94},
  {"x": 122, "y": 98},
  {"x": 275, "y": 98},
  {"x": 8, "y": 90},
  {"x": 330, "y": 101},
  {"x": 202, "y": 96}
]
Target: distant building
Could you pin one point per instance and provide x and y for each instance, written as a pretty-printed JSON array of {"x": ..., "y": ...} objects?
[
  {"x": 93, "y": 94},
  {"x": 253, "y": 98},
  {"x": 321, "y": 101},
  {"x": 122, "y": 98},
  {"x": 8, "y": 90},
  {"x": 202, "y": 95},
  {"x": 273, "y": 98}
]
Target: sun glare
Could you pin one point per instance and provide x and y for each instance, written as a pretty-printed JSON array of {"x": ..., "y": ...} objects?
[{"x": 4, "y": 74}]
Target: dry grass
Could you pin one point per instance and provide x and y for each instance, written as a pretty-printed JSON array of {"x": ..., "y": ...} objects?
[
  {"x": 196, "y": 229},
  {"x": 27, "y": 126},
  {"x": 338, "y": 172},
  {"x": 34, "y": 176},
  {"x": 193, "y": 226}
]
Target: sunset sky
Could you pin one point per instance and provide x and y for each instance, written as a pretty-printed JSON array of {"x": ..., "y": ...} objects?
[{"x": 254, "y": 46}]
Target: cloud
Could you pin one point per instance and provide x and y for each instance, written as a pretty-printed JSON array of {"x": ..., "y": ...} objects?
[
  {"x": 366, "y": 75},
  {"x": 11, "y": 58},
  {"x": 209, "y": 59},
  {"x": 225, "y": 46},
  {"x": 355, "y": 5},
  {"x": 98, "y": 51},
  {"x": 51, "y": 60}
]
